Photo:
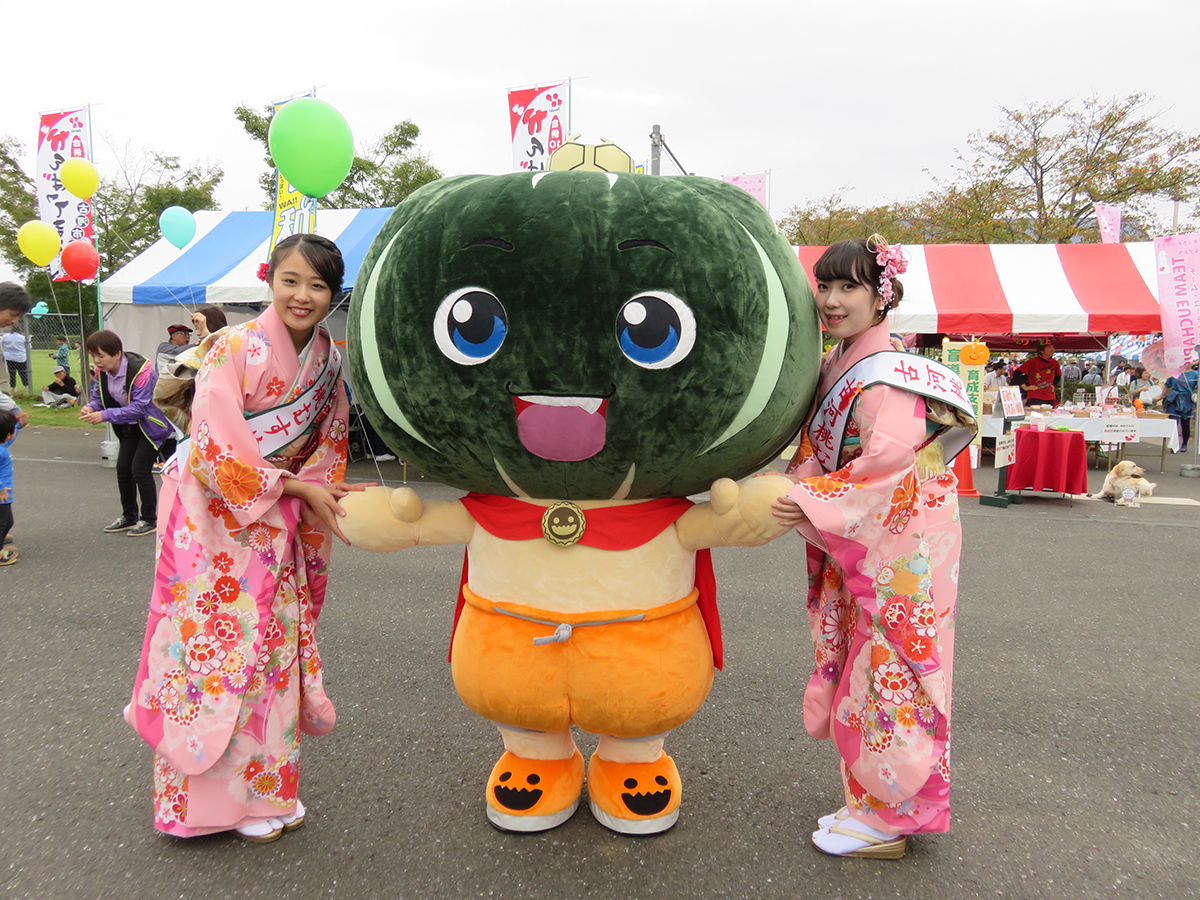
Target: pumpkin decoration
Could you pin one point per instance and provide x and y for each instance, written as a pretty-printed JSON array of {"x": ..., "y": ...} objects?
[
  {"x": 581, "y": 351},
  {"x": 975, "y": 353}
]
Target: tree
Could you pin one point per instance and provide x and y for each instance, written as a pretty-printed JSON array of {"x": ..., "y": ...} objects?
[
  {"x": 388, "y": 171},
  {"x": 128, "y": 204},
  {"x": 126, "y": 209},
  {"x": 1033, "y": 179},
  {"x": 1046, "y": 166}
]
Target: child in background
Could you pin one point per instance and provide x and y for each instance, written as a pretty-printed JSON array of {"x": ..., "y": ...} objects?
[{"x": 8, "y": 433}]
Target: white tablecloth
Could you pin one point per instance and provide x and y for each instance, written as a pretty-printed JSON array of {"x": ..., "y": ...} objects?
[{"x": 1093, "y": 429}]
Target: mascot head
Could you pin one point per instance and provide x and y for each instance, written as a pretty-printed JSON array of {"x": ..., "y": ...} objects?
[{"x": 583, "y": 335}]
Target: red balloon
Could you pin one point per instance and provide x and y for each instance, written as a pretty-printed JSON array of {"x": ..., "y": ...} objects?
[{"x": 80, "y": 260}]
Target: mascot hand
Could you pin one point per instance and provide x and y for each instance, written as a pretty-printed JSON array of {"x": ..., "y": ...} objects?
[
  {"x": 380, "y": 519},
  {"x": 742, "y": 512}
]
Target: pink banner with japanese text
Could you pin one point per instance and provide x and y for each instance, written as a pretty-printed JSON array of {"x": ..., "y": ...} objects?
[
  {"x": 62, "y": 136},
  {"x": 1109, "y": 219},
  {"x": 1178, "y": 263},
  {"x": 755, "y": 185},
  {"x": 539, "y": 117}
]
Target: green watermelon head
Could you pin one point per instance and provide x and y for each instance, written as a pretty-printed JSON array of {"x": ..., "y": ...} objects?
[{"x": 583, "y": 335}]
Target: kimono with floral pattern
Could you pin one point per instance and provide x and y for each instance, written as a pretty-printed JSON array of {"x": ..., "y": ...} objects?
[
  {"x": 883, "y": 555},
  {"x": 230, "y": 673}
]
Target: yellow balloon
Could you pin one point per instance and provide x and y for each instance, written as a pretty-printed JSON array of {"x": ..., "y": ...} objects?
[
  {"x": 79, "y": 177},
  {"x": 39, "y": 242}
]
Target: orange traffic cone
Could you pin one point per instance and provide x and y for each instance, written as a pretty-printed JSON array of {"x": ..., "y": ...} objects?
[{"x": 962, "y": 470}]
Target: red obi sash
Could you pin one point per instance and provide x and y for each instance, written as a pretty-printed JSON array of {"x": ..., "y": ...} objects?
[{"x": 608, "y": 528}]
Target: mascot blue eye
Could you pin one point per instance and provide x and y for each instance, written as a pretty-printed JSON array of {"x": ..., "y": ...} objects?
[
  {"x": 656, "y": 330},
  {"x": 469, "y": 326}
]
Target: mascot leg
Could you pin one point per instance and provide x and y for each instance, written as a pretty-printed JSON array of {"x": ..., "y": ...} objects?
[
  {"x": 535, "y": 785},
  {"x": 633, "y": 786}
]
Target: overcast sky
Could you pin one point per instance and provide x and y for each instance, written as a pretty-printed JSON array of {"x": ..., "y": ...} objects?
[{"x": 875, "y": 98}]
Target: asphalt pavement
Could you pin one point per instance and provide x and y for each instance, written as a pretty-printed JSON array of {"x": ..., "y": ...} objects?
[{"x": 1076, "y": 735}]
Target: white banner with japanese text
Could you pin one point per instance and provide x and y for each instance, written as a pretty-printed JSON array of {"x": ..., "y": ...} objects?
[
  {"x": 539, "y": 117},
  {"x": 62, "y": 136}
]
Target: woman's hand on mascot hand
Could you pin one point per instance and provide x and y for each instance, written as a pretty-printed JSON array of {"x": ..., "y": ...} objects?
[
  {"x": 788, "y": 512},
  {"x": 321, "y": 502}
]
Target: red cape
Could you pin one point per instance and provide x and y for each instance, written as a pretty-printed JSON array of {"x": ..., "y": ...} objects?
[{"x": 608, "y": 528}]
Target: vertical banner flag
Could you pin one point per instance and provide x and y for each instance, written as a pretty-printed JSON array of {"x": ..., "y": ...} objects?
[
  {"x": 1178, "y": 258},
  {"x": 538, "y": 116},
  {"x": 1109, "y": 218},
  {"x": 294, "y": 212},
  {"x": 754, "y": 185},
  {"x": 62, "y": 136},
  {"x": 972, "y": 376}
]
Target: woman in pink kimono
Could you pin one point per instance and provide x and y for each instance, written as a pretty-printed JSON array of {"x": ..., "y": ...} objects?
[
  {"x": 230, "y": 674},
  {"x": 876, "y": 501}
]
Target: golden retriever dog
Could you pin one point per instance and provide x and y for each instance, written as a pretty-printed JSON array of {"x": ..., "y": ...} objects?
[{"x": 1125, "y": 474}]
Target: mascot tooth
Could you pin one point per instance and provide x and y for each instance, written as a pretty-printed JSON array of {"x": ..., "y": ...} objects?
[{"x": 581, "y": 351}]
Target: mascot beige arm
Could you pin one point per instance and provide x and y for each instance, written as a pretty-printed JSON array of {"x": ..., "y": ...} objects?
[{"x": 383, "y": 520}]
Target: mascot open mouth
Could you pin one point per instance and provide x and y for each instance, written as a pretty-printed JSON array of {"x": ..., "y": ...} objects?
[{"x": 563, "y": 429}]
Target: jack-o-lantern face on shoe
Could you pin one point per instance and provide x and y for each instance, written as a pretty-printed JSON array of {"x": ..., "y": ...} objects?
[
  {"x": 634, "y": 798},
  {"x": 533, "y": 794},
  {"x": 646, "y": 800}
]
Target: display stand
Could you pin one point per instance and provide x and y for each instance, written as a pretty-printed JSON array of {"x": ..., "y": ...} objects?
[{"x": 1014, "y": 409}]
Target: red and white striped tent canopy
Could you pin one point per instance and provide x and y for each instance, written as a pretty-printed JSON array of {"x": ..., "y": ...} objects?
[{"x": 1024, "y": 288}]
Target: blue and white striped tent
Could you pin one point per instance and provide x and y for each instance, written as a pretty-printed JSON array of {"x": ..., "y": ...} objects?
[{"x": 163, "y": 285}]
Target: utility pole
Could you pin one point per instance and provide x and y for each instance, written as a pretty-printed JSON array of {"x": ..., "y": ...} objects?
[{"x": 656, "y": 151}]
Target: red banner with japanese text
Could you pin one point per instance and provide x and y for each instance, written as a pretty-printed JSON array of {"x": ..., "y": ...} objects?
[
  {"x": 62, "y": 136},
  {"x": 539, "y": 117}
]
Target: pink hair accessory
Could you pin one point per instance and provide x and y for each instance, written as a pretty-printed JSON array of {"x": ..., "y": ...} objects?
[
  {"x": 894, "y": 263},
  {"x": 262, "y": 271}
]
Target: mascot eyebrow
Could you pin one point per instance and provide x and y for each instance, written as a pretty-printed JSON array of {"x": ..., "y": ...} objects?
[
  {"x": 643, "y": 242},
  {"x": 499, "y": 243}
]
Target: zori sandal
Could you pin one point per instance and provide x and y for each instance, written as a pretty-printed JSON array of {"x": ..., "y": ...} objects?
[
  {"x": 262, "y": 832},
  {"x": 853, "y": 838},
  {"x": 827, "y": 822},
  {"x": 634, "y": 798},
  {"x": 296, "y": 819},
  {"x": 533, "y": 794}
]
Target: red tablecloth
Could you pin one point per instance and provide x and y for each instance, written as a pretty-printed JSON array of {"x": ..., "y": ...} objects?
[{"x": 1049, "y": 461}]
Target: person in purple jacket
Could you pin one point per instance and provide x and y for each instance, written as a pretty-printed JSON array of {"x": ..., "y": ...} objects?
[{"x": 122, "y": 396}]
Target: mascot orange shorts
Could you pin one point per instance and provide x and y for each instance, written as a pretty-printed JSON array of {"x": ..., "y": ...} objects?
[{"x": 628, "y": 679}]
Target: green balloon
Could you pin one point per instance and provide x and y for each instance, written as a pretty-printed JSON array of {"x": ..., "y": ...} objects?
[{"x": 311, "y": 144}]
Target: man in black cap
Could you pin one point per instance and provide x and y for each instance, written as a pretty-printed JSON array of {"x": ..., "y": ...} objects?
[{"x": 179, "y": 338}]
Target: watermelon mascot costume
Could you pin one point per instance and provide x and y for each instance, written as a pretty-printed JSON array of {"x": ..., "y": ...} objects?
[{"x": 581, "y": 351}]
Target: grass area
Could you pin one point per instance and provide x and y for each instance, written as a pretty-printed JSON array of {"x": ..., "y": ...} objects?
[{"x": 43, "y": 374}]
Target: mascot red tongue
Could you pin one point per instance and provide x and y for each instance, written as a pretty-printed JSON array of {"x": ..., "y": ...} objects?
[
  {"x": 655, "y": 338},
  {"x": 562, "y": 430}
]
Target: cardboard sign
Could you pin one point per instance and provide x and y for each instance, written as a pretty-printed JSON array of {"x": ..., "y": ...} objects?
[
  {"x": 1006, "y": 450},
  {"x": 1120, "y": 432},
  {"x": 1014, "y": 407}
]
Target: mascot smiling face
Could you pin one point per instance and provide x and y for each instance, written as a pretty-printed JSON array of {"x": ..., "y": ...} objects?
[{"x": 582, "y": 335}]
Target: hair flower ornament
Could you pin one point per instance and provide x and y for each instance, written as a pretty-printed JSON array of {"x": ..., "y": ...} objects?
[
  {"x": 892, "y": 260},
  {"x": 262, "y": 271}
]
